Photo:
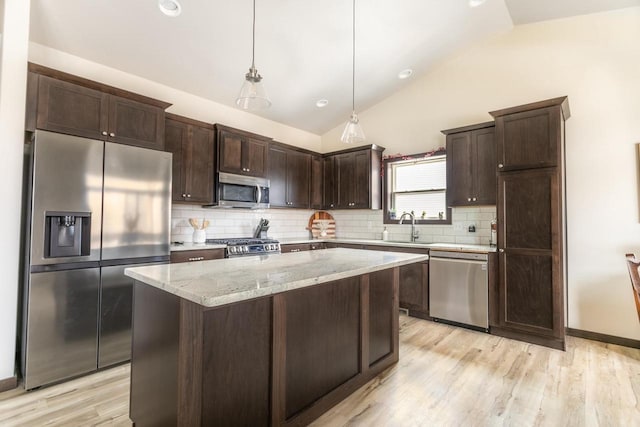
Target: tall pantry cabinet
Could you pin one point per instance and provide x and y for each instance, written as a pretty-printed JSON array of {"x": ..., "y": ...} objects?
[{"x": 531, "y": 233}]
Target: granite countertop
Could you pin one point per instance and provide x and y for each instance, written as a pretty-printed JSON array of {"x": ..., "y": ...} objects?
[
  {"x": 188, "y": 246},
  {"x": 224, "y": 281},
  {"x": 456, "y": 247}
]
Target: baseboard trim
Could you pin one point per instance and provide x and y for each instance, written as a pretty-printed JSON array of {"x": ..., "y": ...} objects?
[
  {"x": 609, "y": 339},
  {"x": 8, "y": 383}
]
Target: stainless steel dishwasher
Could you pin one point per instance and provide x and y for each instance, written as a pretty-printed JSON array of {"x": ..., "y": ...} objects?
[{"x": 458, "y": 288}]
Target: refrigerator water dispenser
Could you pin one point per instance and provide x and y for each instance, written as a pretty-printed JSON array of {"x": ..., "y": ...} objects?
[{"x": 67, "y": 234}]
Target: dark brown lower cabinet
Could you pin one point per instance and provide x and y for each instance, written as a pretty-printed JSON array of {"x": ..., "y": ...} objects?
[
  {"x": 414, "y": 281},
  {"x": 530, "y": 273},
  {"x": 281, "y": 360}
]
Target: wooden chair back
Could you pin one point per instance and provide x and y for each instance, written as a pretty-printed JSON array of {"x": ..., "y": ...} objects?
[{"x": 633, "y": 264}]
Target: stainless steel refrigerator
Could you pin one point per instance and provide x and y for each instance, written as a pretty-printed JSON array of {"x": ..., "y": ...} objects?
[{"x": 95, "y": 208}]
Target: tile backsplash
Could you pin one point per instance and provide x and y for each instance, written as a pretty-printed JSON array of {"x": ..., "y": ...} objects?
[{"x": 350, "y": 224}]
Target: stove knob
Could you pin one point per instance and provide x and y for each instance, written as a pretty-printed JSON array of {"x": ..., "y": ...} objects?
[
  {"x": 246, "y": 249},
  {"x": 231, "y": 250}
]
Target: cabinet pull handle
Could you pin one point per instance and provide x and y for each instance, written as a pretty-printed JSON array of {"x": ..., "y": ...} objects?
[
  {"x": 500, "y": 165},
  {"x": 197, "y": 258},
  {"x": 104, "y": 132},
  {"x": 501, "y": 250},
  {"x": 112, "y": 134},
  {"x": 295, "y": 250}
]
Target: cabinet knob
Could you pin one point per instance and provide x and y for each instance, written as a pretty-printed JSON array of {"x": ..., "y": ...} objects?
[
  {"x": 184, "y": 195},
  {"x": 112, "y": 134},
  {"x": 468, "y": 199},
  {"x": 500, "y": 165},
  {"x": 248, "y": 170},
  {"x": 188, "y": 195},
  {"x": 474, "y": 199},
  {"x": 104, "y": 133},
  {"x": 501, "y": 250},
  {"x": 331, "y": 205}
]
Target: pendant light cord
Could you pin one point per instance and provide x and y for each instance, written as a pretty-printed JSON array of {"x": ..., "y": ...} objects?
[
  {"x": 253, "y": 49},
  {"x": 353, "y": 76}
]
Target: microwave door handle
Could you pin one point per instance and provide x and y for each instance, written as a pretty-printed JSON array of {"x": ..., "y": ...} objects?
[{"x": 259, "y": 193}]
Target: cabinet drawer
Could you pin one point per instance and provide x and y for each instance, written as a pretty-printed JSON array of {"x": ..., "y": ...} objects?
[
  {"x": 197, "y": 255},
  {"x": 295, "y": 247}
]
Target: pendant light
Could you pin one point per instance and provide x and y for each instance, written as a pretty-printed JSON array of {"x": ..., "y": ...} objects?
[
  {"x": 252, "y": 94},
  {"x": 353, "y": 132}
]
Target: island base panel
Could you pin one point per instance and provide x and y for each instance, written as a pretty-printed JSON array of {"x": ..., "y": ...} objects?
[{"x": 256, "y": 362}]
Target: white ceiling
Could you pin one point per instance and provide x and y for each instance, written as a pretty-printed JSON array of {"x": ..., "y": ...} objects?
[{"x": 303, "y": 48}]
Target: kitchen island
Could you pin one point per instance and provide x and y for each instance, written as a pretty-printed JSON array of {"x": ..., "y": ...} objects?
[{"x": 274, "y": 340}]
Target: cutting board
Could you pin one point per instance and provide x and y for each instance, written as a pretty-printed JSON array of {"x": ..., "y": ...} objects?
[{"x": 320, "y": 221}]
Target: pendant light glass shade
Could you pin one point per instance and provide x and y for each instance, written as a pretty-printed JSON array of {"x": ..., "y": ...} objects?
[
  {"x": 353, "y": 133},
  {"x": 252, "y": 94}
]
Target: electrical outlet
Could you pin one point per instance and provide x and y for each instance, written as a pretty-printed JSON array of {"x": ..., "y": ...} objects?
[{"x": 472, "y": 228}]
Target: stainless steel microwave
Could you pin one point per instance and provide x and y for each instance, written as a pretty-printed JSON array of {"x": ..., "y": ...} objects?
[{"x": 239, "y": 191}]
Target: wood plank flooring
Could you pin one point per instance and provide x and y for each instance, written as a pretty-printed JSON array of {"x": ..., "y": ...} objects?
[{"x": 446, "y": 376}]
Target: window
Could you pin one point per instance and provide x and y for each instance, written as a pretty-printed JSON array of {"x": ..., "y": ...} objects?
[{"x": 417, "y": 184}]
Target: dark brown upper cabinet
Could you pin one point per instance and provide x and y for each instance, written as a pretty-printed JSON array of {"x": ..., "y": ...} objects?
[
  {"x": 191, "y": 143},
  {"x": 329, "y": 198},
  {"x": 471, "y": 165},
  {"x": 316, "y": 182},
  {"x": 241, "y": 152},
  {"x": 529, "y": 139},
  {"x": 289, "y": 176},
  {"x": 531, "y": 227},
  {"x": 355, "y": 179},
  {"x": 64, "y": 103}
]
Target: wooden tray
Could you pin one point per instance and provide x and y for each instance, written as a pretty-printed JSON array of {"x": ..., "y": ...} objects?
[{"x": 320, "y": 220}]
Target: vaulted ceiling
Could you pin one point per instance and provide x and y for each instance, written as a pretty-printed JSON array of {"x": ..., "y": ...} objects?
[{"x": 303, "y": 48}]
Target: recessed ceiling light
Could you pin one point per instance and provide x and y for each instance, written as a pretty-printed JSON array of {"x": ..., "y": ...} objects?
[
  {"x": 476, "y": 3},
  {"x": 405, "y": 74},
  {"x": 170, "y": 7},
  {"x": 321, "y": 103}
]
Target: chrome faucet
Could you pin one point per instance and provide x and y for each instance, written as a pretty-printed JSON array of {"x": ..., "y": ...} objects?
[{"x": 414, "y": 232}]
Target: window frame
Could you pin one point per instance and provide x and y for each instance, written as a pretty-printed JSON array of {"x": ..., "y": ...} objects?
[{"x": 386, "y": 187}]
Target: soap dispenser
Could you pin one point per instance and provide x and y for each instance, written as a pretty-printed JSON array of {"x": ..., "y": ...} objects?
[{"x": 385, "y": 234}]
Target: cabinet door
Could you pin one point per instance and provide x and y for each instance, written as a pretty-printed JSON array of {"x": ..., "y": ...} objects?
[
  {"x": 459, "y": 173},
  {"x": 68, "y": 108},
  {"x": 362, "y": 183},
  {"x": 254, "y": 157},
  {"x": 316, "y": 182},
  {"x": 298, "y": 172},
  {"x": 530, "y": 139},
  {"x": 135, "y": 123},
  {"x": 530, "y": 274},
  {"x": 484, "y": 161},
  {"x": 229, "y": 152},
  {"x": 277, "y": 177},
  {"x": 200, "y": 166},
  {"x": 414, "y": 290},
  {"x": 345, "y": 173},
  {"x": 329, "y": 190},
  {"x": 175, "y": 140}
]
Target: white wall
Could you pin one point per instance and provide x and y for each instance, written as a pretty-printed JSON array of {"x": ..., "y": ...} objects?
[
  {"x": 13, "y": 63},
  {"x": 595, "y": 60},
  {"x": 184, "y": 104}
]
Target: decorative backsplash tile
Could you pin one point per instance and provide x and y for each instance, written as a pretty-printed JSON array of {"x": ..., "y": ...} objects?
[{"x": 350, "y": 224}]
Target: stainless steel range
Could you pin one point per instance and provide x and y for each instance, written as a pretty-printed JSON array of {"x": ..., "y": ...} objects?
[{"x": 247, "y": 246}]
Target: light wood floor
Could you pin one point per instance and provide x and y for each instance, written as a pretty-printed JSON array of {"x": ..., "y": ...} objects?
[{"x": 446, "y": 376}]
